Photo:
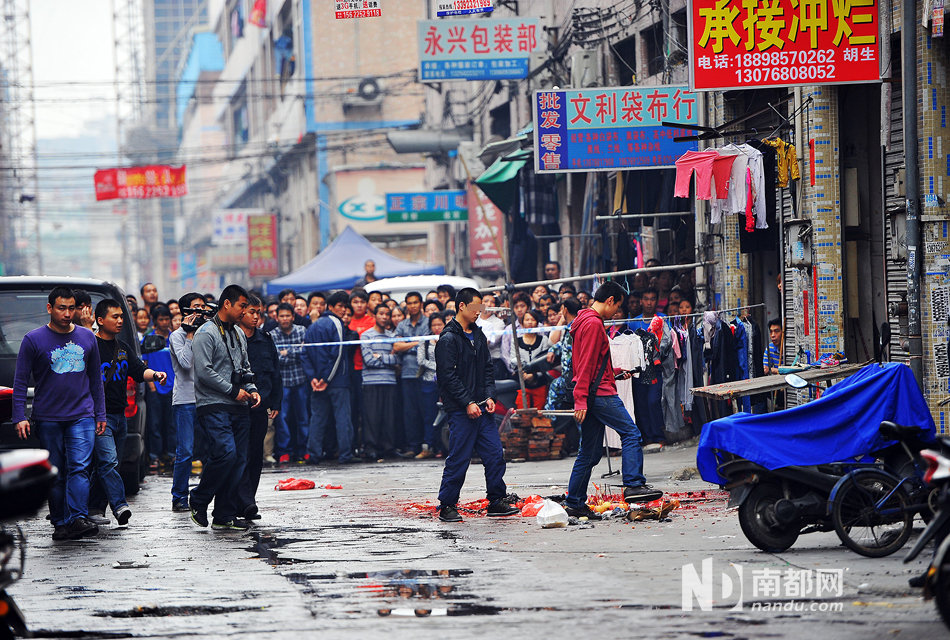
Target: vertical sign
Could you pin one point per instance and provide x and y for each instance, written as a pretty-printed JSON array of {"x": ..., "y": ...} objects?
[
  {"x": 611, "y": 128},
  {"x": 358, "y": 9},
  {"x": 477, "y": 48},
  {"x": 262, "y": 246},
  {"x": 486, "y": 232},
  {"x": 737, "y": 44}
]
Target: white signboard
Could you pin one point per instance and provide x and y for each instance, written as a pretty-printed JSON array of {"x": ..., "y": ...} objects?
[
  {"x": 358, "y": 9},
  {"x": 462, "y": 7}
]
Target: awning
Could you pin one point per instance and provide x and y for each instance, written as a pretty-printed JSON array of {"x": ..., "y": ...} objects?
[{"x": 498, "y": 181}]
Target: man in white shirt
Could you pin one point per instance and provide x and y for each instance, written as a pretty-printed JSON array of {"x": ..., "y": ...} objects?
[{"x": 494, "y": 328}]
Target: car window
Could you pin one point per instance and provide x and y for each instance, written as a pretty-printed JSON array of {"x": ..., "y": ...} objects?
[{"x": 23, "y": 311}]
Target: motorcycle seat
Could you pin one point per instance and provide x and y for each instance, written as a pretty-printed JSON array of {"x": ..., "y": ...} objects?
[{"x": 896, "y": 431}]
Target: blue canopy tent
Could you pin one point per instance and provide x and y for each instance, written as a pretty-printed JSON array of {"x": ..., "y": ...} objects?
[{"x": 340, "y": 265}]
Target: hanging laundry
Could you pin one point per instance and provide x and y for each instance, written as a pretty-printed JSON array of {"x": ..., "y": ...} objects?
[
  {"x": 710, "y": 167},
  {"x": 787, "y": 161},
  {"x": 746, "y": 159},
  {"x": 750, "y": 198}
]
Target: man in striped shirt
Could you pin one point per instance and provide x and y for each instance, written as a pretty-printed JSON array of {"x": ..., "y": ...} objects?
[
  {"x": 772, "y": 358},
  {"x": 293, "y": 420}
]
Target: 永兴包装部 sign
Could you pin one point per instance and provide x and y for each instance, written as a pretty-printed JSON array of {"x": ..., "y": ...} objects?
[
  {"x": 612, "y": 128},
  {"x": 346, "y": 9},
  {"x": 427, "y": 206},
  {"x": 462, "y": 7},
  {"x": 736, "y": 44},
  {"x": 477, "y": 48}
]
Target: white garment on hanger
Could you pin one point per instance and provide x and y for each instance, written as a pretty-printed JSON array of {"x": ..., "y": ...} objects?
[
  {"x": 751, "y": 158},
  {"x": 623, "y": 356}
]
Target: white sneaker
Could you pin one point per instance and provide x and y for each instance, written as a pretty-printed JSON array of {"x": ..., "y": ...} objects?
[
  {"x": 122, "y": 515},
  {"x": 97, "y": 519},
  {"x": 270, "y": 460}
]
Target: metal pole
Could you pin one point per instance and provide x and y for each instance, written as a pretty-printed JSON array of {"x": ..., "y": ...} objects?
[
  {"x": 912, "y": 185},
  {"x": 628, "y": 216},
  {"x": 612, "y": 274}
]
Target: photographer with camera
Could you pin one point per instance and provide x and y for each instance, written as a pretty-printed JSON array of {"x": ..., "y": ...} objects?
[
  {"x": 224, "y": 392},
  {"x": 183, "y": 393}
]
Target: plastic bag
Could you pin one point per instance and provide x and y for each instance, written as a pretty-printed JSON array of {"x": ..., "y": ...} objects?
[
  {"x": 552, "y": 515},
  {"x": 294, "y": 484}
]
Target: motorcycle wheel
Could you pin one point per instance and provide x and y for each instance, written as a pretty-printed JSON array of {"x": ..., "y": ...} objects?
[
  {"x": 859, "y": 523},
  {"x": 941, "y": 591},
  {"x": 757, "y": 519}
]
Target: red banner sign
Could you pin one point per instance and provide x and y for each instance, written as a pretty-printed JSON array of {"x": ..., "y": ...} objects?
[
  {"x": 262, "y": 246},
  {"x": 150, "y": 181},
  {"x": 357, "y": 9},
  {"x": 737, "y": 44},
  {"x": 486, "y": 232}
]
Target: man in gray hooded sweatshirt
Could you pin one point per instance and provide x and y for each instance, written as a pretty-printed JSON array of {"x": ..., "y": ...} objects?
[{"x": 224, "y": 390}]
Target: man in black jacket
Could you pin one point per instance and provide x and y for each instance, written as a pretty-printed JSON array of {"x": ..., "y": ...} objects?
[
  {"x": 262, "y": 356},
  {"x": 466, "y": 385}
]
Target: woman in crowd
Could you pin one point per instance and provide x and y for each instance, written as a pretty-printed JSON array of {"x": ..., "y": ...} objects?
[
  {"x": 142, "y": 322},
  {"x": 431, "y": 307},
  {"x": 398, "y": 315},
  {"x": 531, "y": 346},
  {"x": 425, "y": 356}
]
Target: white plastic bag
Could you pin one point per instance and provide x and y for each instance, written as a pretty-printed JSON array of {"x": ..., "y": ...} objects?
[{"x": 552, "y": 515}]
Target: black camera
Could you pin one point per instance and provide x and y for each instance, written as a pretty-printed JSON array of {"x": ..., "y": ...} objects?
[
  {"x": 204, "y": 314},
  {"x": 242, "y": 377}
]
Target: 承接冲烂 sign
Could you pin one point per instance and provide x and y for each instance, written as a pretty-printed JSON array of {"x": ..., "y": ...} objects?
[
  {"x": 606, "y": 129},
  {"x": 477, "y": 48},
  {"x": 735, "y": 44}
]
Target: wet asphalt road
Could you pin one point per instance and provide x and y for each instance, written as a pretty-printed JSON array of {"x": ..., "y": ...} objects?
[{"x": 355, "y": 562}]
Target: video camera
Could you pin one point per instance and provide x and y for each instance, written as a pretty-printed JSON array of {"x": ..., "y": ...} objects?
[{"x": 204, "y": 314}]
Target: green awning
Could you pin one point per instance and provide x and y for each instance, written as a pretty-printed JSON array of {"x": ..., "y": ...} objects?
[{"x": 498, "y": 181}]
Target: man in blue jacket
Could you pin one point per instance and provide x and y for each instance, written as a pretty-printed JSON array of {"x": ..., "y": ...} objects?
[{"x": 327, "y": 375}]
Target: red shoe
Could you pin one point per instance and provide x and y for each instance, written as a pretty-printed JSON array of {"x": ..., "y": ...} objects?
[{"x": 284, "y": 459}]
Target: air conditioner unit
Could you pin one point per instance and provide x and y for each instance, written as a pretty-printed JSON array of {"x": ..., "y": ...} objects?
[
  {"x": 365, "y": 92},
  {"x": 585, "y": 70},
  {"x": 543, "y": 78}
]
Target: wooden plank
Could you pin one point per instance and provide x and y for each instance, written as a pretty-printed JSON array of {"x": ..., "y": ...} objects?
[{"x": 741, "y": 388}]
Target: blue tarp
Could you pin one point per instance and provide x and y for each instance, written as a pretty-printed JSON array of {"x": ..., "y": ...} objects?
[
  {"x": 842, "y": 424},
  {"x": 340, "y": 265}
]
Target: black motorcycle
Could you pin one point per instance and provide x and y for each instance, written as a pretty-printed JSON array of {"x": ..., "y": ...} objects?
[{"x": 26, "y": 477}]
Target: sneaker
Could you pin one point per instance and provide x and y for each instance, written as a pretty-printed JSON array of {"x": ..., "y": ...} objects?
[
  {"x": 407, "y": 453},
  {"x": 251, "y": 512},
  {"x": 271, "y": 460},
  {"x": 234, "y": 524},
  {"x": 81, "y": 528},
  {"x": 61, "y": 532},
  {"x": 98, "y": 518},
  {"x": 654, "y": 447},
  {"x": 310, "y": 460},
  {"x": 180, "y": 506},
  {"x": 122, "y": 515},
  {"x": 196, "y": 466},
  {"x": 425, "y": 454},
  {"x": 582, "y": 512},
  {"x": 351, "y": 460},
  {"x": 642, "y": 493},
  {"x": 284, "y": 459},
  {"x": 501, "y": 508},
  {"x": 448, "y": 513},
  {"x": 199, "y": 515}
]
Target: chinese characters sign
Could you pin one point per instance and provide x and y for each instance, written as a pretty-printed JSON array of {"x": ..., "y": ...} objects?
[
  {"x": 151, "y": 181},
  {"x": 477, "y": 49},
  {"x": 229, "y": 227},
  {"x": 262, "y": 246},
  {"x": 462, "y": 7},
  {"x": 609, "y": 129},
  {"x": 742, "y": 43},
  {"x": 486, "y": 232},
  {"x": 358, "y": 9},
  {"x": 429, "y": 206}
]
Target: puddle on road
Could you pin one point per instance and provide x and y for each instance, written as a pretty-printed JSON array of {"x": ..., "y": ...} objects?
[{"x": 164, "y": 612}]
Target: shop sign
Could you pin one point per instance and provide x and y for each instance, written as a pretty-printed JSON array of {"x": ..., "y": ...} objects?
[
  {"x": 737, "y": 44},
  {"x": 614, "y": 128},
  {"x": 346, "y": 9},
  {"x": 486, "y": 232},
  {"x": 429, "y": 206},
  {"x": 477, "y": 48},
  {"x": 149, "y": 181},
  {"x": 262, "y": 246},
  {"x": 463, "y": 7},
  {"x": 229, "y": 227}
]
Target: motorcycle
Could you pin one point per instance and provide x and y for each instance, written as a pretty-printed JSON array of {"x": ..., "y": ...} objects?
[
  {"x": 936, "y": 580},
  {"x": 26, "y": 477}
]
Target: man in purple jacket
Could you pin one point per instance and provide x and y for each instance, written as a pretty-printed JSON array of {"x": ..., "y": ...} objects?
[{"x": 69, "y": 408}]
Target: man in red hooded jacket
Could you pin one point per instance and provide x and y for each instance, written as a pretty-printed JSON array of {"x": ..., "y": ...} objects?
[{"x": 596, "y": 403}]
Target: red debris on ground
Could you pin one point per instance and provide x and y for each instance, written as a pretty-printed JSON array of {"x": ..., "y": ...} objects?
[{"x": 302, "y": 484}]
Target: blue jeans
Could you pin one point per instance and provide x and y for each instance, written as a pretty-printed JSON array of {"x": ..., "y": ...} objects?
[
  {"x": 429, "y": 395},
  {"x": 108, "y": 451},
  {"x": 603, "y": 410},
  {"x": 161, "y": 424},
  {"x": 649, "y": 411},
  {"x": 413, "y": 417},
  {"x": 465, "y": 437},
  {"x": 184, "y": 452},
  {"x": 322, "y": 404},
  {"x": 292, "y": 423},
  {"x": 70, "y": 444},
  {"x": 226, "y": 436}
]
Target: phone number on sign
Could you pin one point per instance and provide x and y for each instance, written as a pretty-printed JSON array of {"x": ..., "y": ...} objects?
[{"x": 783, "y": 66}]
